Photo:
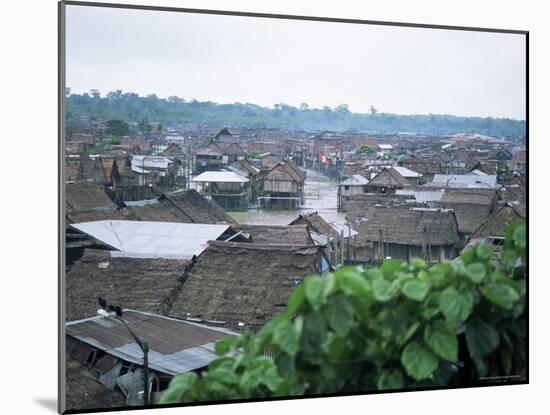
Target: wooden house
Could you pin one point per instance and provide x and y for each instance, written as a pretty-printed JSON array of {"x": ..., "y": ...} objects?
[
  {"x": 234, "y": 152},
  {"x": 243, "y": 285},
  {"x": 350, "y": 188},
  {"x": 209, "y": 158},
  {"x": 229, "y": 189},
  {"x": 386, "y": 182},
  {"x": 404, "y": 233},
  {"x": 283, "y": 186}
]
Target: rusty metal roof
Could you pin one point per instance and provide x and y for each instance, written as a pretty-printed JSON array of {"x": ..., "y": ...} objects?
[{"x": 175, "y": 346}]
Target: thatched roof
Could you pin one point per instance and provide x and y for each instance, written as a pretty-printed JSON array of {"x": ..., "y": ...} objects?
[
  {"x": 84, "y": 169},
  {"x": 245, "y": 166},
  {"x": 144, "y": 284},
  {"x": 409, "y": 227},
  {"x": 195, "y": 207},
  {"x": 286, "y": 171},
  {"x": 86, "y": 199},
  {"x": 243, "y": 282},
  {"x": 276, "y": 234},
  {"x": 498, "y": 221},
  {"x": 316, "y": 223},
  {"x": 471, "y": 206},
  {"x": 424, "y": 165},
  {"x": 234, "y": 149},
  {"x": 154, "y": 212},
  {"x": 83, "y": 392},
  {"x": 388, "y": 178},
  {"x": 172, "y": 150}
]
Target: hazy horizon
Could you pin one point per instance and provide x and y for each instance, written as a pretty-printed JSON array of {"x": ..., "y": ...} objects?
[{"x": 233, "y": 59}]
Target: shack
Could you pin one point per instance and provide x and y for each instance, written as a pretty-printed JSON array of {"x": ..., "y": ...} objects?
[
  {"x": 349, "y": 188},
  {"x": 102, "y": 351},
  {"x": 386, "y": 182},
  {"x": 283, "y": 186},
  {"x": 403, "y": 233},
  {"x": 229, "y": 189},
  {"x": 243, "y": 285}
]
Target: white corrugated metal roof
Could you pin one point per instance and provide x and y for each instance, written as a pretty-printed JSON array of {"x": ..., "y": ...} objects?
[
  {"x": 219, "y": 177},
  {"x": 405, "y": 172},
  {"x": 465, "y": 180},
  {"x": 141, "y": 239},
  {"x": 385, "y": 146},
  {"x": 422, "y": 196},
  {"x": 157, "y": 162},
  {"x": 348, "y": 231},
  {"x": 355, "y": 180}
]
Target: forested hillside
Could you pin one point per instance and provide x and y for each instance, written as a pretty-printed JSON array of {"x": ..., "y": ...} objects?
[{"x": 174, "y": 110}]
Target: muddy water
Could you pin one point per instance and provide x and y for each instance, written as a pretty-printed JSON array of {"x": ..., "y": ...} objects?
[{"x": 320, "y": 195}]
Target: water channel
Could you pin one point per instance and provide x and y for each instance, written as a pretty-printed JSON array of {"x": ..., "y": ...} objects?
[{"x": 320, "y": 195}]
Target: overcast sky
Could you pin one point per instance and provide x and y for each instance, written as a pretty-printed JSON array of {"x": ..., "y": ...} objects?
[{"x": 229, "y": 59}]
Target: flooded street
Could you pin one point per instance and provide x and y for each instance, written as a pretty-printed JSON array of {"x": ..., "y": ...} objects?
[{"x": 320, "y": 194}]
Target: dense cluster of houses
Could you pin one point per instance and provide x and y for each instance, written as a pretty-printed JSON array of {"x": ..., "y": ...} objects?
[{"x": 147, "y": 229}]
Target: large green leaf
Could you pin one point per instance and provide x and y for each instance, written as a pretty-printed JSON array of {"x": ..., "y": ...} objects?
[
  {"x": 177, "y": 387},
  {"x": 389, "y": 267},
  {"x": 481, "y": 338},
  {"x": 485, "y": 250},
  {"x": 285, "y": 336},
  {"x": 418, "y": 361},
  {"x": 390, "y": 379},
  {"x": 519, "y": 236},
  {"x": 314, "y": 291},
  {"x": 382, "y": 289},
  {"x": 500, "y": 294},
  {"x": 442, "y": 340},
  {"x": 456, "y": 306},
  {"x": 296, "y": 299},
  {"x": 415, "y": 289},
  {"x": 476, "y": 272},
  {"x": 226, "y": 344},
  {"x": 340, "y": 315},
  {"x": 313, "y": 333}
]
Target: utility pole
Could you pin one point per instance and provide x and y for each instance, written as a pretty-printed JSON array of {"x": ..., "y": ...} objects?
[{"x": 143, "y": 344}]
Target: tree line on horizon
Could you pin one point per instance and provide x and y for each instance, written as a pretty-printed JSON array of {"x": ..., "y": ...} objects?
[{"x": 173, "y": 111}]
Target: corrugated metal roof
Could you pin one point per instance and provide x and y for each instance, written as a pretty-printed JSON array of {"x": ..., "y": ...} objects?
[
  {"x": 219, "y": 177},
  {"x": 355, "y": 180},
  {"x": 157, "y": 162},
  {"x": 141, "y": 239},
  {"x": 422, "y": 196},
  {"x": 465, "y": 180},
  {"x": 405, "y": 172},
  {"x": 175, "y": 346}
]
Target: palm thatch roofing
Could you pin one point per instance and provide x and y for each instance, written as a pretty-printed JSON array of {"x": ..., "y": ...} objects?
[
  {"x": 316, "y": 223},
  {"x": 83, "y": 392},
  {"x": 148, "y": 284},
  {"x": 245, "y": 166},
  {"x": 244, "y": 282},
  {"x": 84, "y": 169},
  {"x": 286, "y": 171},
  {"x": 417, "y": 226},
  {"x": 388, "y": 177},
  {"x": 498, "y": 221},
  {"x": 172, "y": 150},
  {"x": 192, "y": 205},
  {"x": 86, "y": 195},
  {"x": 471, "y": 206},
  {"x": 234, "y": 149},
  {"x": 276, "y": 234},
  {"x": 423, "y": 165}
]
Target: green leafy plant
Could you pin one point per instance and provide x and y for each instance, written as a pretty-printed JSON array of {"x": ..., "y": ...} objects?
[{"x": 401, "y": 325}]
